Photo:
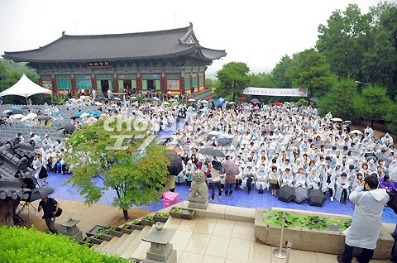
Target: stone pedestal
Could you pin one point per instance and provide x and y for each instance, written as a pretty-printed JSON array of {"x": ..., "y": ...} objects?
[
  {"x": 198, "y": 197},
  {"x": 69, "y": 228},
  {"x": 160, "y": 251},
  {"x": 196, "y": 205}
]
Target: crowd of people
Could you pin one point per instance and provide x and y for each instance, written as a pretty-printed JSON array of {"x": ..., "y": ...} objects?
[{"x": 283, "y": 146}]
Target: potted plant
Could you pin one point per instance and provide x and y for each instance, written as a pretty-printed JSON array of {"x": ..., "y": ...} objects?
[
  {"x": 161, "y": 217},
  {"x": 183, "y": 213},
  {"x": 134, "y": 225},
  {"x": 100, "y": 232},
  {"x": 148, "y": 220},
  {"x": 89, "y": 241}
]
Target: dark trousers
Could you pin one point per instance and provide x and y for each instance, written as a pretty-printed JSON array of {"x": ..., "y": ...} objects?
[
  {"x": 216, "y": 185},
  {"x": 364, "y": 257},
  {"x": 51, "y": 224}
]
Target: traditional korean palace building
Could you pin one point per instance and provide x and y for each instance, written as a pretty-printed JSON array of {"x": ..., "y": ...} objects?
[{"x": 159, "y": 61}]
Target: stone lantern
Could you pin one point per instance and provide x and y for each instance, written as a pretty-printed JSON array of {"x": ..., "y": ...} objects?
[{"x": 160, "y": 249}]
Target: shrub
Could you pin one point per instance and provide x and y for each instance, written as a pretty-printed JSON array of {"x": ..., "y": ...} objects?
[{"x": 30, "y": 245}]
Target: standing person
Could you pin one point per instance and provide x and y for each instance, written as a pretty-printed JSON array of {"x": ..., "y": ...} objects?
[
  {"x": 189, "y": 169},
  {"x": 41, "y": 171},
  {"x": 215, "y": 179},
  {"x": 366, "y": 222},
  {"x": 50, "y": 207},
  {"x": 231, "y": 169}
]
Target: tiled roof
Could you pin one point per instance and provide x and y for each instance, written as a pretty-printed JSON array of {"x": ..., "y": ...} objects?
[{"x": 145, "y": 45}]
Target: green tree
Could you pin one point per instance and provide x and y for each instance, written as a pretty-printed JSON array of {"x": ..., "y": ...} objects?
[
  {"x": 339, "y": 99},
  {"x": 264, "y": 80},
  {"x": 344, "y": 39},
  {"x": 310, "y": 70},
  {"x": 281, "y": 73},
  {"x": 136, "y": 174},
  {"x": 234, "y": 78},
  {"x": 11, "y": 72},
  {"x": 373, "y": 103},
  {"x": 390, "y": 117}
]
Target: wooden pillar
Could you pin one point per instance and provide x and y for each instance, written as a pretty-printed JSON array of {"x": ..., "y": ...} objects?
[
  {"x": 93, "y": 82},
  {"x": 138, "y": 83},
  {"x": 116, "y": 83},
  {"x": 74, "y": 88},
  {"x": 54, "y": 85},
  {"x": 205, "y": 84},
  {"x": 163, "y": 83},
  {"x": 182, "y": 84}
]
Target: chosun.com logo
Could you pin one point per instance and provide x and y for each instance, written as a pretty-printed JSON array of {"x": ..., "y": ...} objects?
[{"x": 133, "y": 129}]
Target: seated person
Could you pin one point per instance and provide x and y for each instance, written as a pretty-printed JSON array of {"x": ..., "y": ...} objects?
[{"x": 389, "y": 185}]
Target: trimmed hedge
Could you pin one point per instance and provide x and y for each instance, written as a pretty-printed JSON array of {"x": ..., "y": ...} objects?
[{"x": 30, "y": 245}]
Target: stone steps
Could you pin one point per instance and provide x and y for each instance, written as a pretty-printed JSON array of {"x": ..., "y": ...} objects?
[
  {"x": 109, "y": 246},
  {"x": 93, "y": 247},
  {"x": 100, "y": 246},
  {"x": 126, "y": 244},
  {"x": 113, "y": 249},
  {"x": 129, "y": 251}
]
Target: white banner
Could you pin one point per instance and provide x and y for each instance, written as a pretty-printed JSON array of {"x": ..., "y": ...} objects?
[{"x": 276, "y": 92}]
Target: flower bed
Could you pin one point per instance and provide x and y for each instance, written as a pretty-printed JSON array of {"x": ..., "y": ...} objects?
[
  {"x": 183, "y": 213},
  {"x": 104, "y": 232},
  {"x": 161, "y": 217},
  {"x": 134, "y": 225},
  {"x": 310, "y": 231},
  {"x": 148, "y": 220}
]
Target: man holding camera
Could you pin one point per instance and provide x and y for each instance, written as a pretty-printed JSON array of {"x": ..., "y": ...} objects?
[
  {"x": 50, "y": 207},
  {"x": 366, "y": 222}
]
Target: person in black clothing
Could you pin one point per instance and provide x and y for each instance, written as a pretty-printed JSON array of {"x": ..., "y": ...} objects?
[{"x": 50, "y": 207}]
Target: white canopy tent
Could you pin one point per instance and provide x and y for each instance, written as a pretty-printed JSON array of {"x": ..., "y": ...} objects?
[{"x": 25, "y": 88}]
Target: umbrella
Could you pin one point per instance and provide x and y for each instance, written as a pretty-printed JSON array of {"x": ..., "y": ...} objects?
[
  {"x": 337, "y": 119},
  {"x": 43, "y": 117},
  {"x": 14, "y": 107},
  {"x": 17, "y": 111},
  {"x": 68, "y": 127},
  {"x": 214, "y": 132},
  {"x": 7, "y": 112},
  {"x": 278, "y": 104},
  {"x": 300, "y": 194},
  {"x": 176, "y": 165},
  {"x": 254, "y": 101},
  {"x": 241, "y": 98},
  {"x": 156, "y": 99},
  {"x": 191, "y": 100},
  {"x": 356, "y": 132},
  {"x": 16, "y": 116},
  {"x": 31, "y": 116},
  {"x": 223, "y": 141},
  {"x": 212, "y": 152},
  {"x": 231, "y": 167},
  {"x": 316, "y": 198},
  {"x": 286, "y": 194},
  {"x": 40, "y": 193},
  {"x": 98, "y": 103}
]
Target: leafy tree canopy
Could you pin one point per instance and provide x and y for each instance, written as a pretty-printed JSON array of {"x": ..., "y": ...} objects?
[
  {"x": 137, "y": 175},
  {"x": 234, "y": 78},
  {"x": 310, "y": 70},
  {"x": 339, "y": 99}
]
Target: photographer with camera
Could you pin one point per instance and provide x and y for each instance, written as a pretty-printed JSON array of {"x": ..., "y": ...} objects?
[
  {"x": 366, "y": 221},
  {"x": 50, "y": 208}
]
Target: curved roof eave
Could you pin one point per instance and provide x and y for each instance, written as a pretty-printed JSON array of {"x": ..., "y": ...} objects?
[{"x": 189, "y": 51}]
